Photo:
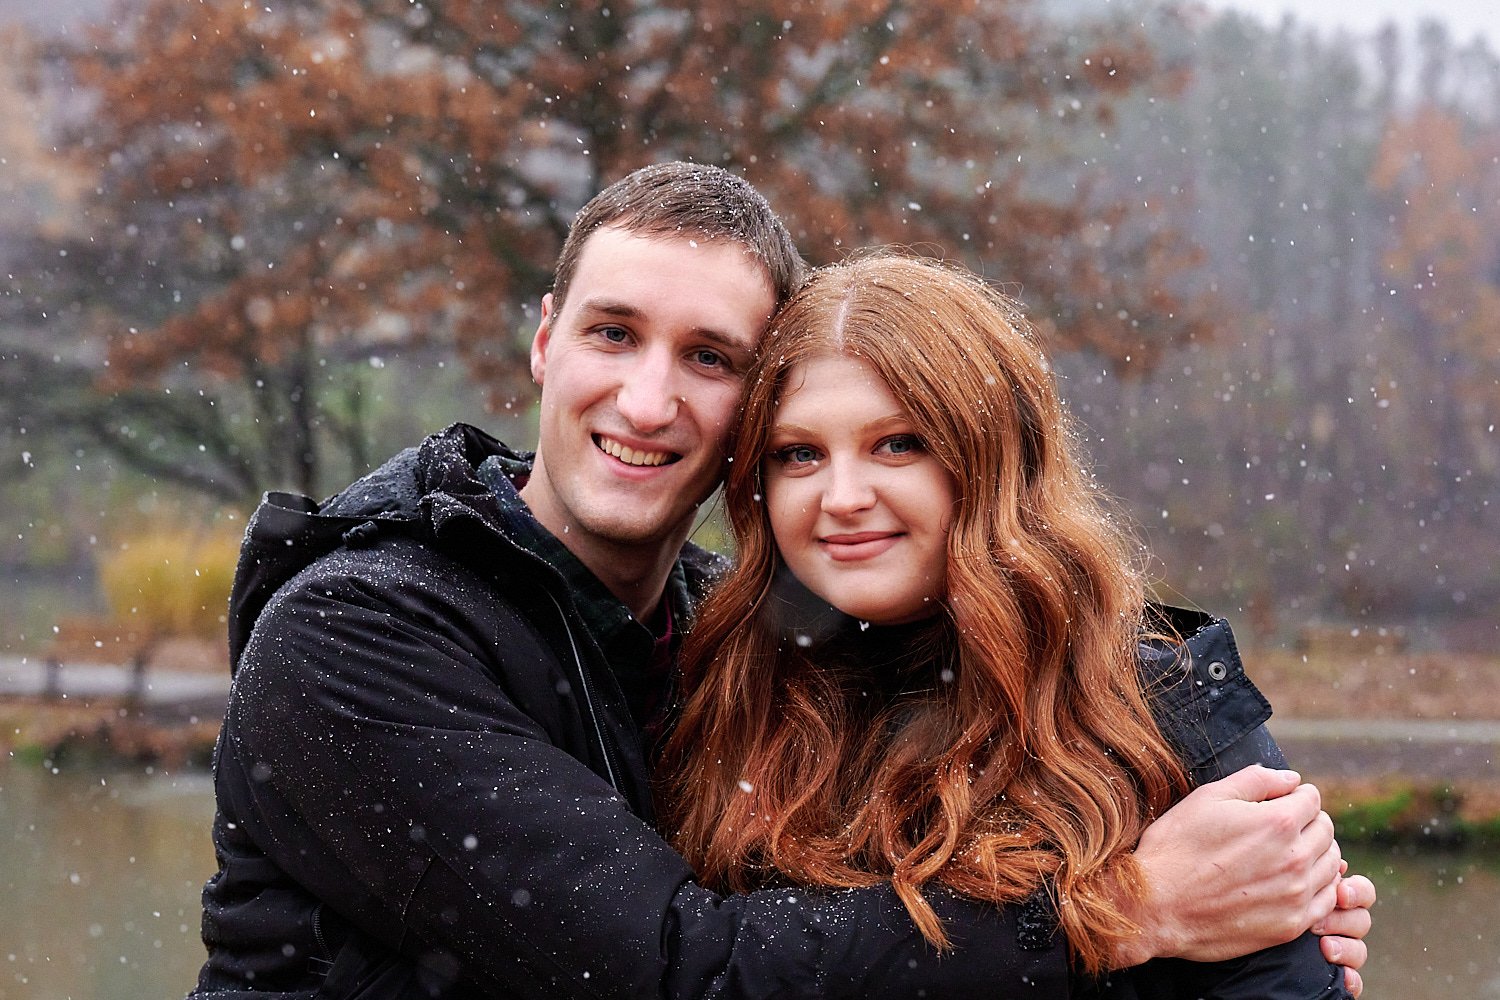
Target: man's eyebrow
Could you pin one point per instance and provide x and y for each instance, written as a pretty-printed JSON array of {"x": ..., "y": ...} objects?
[
  {"x": 624, "y": 310},
  {"x": 728, "y": 341},
  {"x": 610, "y": 307}
]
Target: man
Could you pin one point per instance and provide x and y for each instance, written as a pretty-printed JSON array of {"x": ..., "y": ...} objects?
[{"x": 433, "y": 774}]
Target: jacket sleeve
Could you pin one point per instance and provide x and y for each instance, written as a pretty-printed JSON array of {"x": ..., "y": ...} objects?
[
  {"x": 1211, "y": 711},
  {"x": 385, "y": 769}
]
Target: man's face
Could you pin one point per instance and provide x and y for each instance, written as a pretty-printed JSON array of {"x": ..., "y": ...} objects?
[{"x": 640, "y": 373}]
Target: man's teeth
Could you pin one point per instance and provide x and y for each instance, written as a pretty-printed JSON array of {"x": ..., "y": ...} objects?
[{"x": 632, "y": 457}]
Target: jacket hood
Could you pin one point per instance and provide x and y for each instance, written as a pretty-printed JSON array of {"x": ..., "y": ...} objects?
[
  {"x": 420, "y": 492},
  {"x": 289, "y": 532}
]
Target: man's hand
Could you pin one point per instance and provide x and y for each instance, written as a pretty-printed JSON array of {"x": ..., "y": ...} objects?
[
  {"x": 1344, "y": 929},
  {"x": 1240, "y": 864}
]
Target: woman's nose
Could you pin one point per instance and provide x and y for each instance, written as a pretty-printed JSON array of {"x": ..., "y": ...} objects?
[{"x": 849, "y": 489}]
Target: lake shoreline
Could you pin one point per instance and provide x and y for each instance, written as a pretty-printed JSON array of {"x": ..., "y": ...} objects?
[{"x": 1380, "y": 807}]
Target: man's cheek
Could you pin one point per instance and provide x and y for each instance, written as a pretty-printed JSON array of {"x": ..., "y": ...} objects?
[{"x": 719, "y": 429}]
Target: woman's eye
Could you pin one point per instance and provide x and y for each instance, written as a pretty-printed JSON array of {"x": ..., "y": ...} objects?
[
  {"x": 710, "y": 359},
  {"x": 903, "y": 444},
  {"x": 797, "y": 454}
]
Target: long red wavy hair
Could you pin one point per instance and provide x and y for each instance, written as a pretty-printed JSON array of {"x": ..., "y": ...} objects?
[{"x": 1035, "y": 765}]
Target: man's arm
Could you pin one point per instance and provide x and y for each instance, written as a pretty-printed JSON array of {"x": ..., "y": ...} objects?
[
  {"x": 387, "y": 765},
  {"x": 1272, "y": 869},
  {"x": 385, "y": 756},
  {"x": 1215, "y": 716},
  {"x": 1293, "y": 969}
]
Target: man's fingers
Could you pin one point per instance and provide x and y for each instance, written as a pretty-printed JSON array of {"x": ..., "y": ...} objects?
[
  {"x": 1298, "y": 811},
  {"x": 1327, "y": 866},
  {"x": 1256, "y": 783},
  {"x": 1307, "y": 802},
  {"x": 1325, "y": 874},
  {"x": 1355, "y": 984},
  {"x": 1351, "y": 916},
  {"x": 1344, "y": 951},
  {"x": 1351, "y": 953},
  {"x": 1316, "y": 828},
  {"x": 1354, "y": 924},
  {"x": 1356, "y": 892}
]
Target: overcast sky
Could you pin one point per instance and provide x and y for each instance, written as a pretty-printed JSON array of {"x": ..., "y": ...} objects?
[{"x": 1465, "y": 18}]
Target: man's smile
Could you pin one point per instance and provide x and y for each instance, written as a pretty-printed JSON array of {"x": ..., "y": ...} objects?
[{"x": 632, "y": 456}]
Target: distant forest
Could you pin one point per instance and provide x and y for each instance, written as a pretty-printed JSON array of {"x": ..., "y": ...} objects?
[
  {"x": 260, "y": 247},
  {"x": 1330, "y": 450}
]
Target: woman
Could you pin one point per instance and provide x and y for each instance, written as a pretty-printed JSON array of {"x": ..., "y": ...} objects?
[{"x": 980, "y": 720}]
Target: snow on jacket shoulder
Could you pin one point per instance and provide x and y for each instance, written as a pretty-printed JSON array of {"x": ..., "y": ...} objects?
[{"x": 428, "y": 785}]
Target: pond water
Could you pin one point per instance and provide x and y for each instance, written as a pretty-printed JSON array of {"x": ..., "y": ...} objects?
[
  {"x": 1437, "y": 925},
  {"x": 101, "y": 871}
]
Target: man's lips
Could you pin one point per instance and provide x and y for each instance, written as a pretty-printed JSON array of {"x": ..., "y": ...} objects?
[
  {"x": 633, "y": 456},
  {"x": 858, "y": 545}
]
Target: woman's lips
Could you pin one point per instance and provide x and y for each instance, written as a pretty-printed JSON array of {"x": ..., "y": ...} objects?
[{"x": 859, "y": 545}]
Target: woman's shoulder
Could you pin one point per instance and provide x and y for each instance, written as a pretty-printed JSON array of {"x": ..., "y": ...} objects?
[{"x": 1195, "y": 681}]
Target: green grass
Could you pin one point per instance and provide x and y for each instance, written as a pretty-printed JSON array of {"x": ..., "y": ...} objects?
[{"x": 1433, "y": 816}]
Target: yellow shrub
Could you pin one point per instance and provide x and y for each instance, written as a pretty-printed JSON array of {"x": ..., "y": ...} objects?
[{"x": 162, "y": 583}]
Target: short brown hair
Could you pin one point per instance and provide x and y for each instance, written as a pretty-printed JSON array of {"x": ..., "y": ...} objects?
[{"x": 692, "y": 200}]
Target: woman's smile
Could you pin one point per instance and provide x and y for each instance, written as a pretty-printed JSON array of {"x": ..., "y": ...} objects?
[{"x": 861, "y": 545}]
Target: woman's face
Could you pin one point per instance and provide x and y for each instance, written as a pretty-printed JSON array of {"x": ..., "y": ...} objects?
[{"x": 859, "y": 509}]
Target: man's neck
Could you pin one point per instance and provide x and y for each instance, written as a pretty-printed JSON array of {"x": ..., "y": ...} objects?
[{"x": 636, "y": 574}]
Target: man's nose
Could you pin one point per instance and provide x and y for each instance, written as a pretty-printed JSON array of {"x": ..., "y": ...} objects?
[{"x": 647, "y": 397}]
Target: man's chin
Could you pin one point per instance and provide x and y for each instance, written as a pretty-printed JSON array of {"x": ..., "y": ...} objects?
[{"x": 635, "y": 532}]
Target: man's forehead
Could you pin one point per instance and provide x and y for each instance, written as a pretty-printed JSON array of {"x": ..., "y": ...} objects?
[
  {"x": 685, "y": 237},
  {"x": 609, "y": 282}
]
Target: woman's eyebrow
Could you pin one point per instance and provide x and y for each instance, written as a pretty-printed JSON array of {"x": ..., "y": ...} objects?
[
  {"x": 780, "y": 429},
  {"x": 783, "y": 429}
]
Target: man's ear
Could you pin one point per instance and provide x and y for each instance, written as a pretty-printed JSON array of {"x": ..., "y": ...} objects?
[{"x": 540, "y": 340}]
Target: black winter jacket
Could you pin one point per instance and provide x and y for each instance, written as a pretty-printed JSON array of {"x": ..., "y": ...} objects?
[{"x": 429, "y": 784}]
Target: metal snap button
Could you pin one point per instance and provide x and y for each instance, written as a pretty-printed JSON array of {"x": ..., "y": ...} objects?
[{"x": 1217, "y": 670}]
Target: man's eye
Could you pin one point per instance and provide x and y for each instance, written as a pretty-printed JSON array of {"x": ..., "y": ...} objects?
[{"x": 614, "y": 334}]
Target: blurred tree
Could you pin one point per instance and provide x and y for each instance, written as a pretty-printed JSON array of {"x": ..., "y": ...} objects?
[
  {"x": 286, "y": 189},
  {"x": 1436, "y": 172},
  {"x": 1332, "y": 450}
]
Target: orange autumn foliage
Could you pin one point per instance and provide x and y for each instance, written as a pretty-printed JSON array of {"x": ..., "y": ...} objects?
[{"x": 309, "y": 180}]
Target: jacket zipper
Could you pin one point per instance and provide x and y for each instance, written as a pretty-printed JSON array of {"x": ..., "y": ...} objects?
[
  {"x": 322, "y": 964},
  {"x": 588, "y": 694}
]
